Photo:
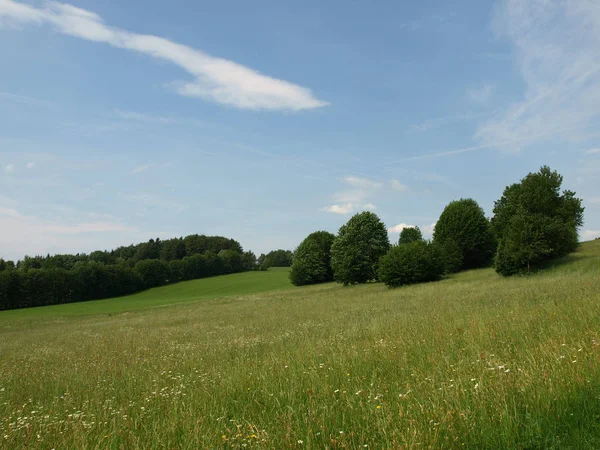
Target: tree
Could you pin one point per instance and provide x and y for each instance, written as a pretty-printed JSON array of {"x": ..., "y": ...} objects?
[
  {"x": 312, "y": 259},
  {"x": 232, "y": 261},
  {"x": 415, "y": 262},
  {"x": 248, "y": 261},
  {"x": 534, "y": 222},
  {"x": 410, "y": 234},
  {"x": 153, "y": 272},
  {"x": 356, "y": 250},
  {"x": 450, "y": 254},
  {"x": 278, "y": 258},
  {"x": 172, "y": 249},
  {"x": 464, "y": 222}
]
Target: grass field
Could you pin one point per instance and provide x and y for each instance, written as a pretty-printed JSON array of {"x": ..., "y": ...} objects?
[
  {"x": 474, "y": 361},
  {"x": 227, "y": 285}
]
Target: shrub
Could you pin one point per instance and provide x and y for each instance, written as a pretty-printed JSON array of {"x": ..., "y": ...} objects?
[
  {"x": 411, "y": 263},
  {"x": 410, "y": 234},
  {"x": 535, "y": 222},
  {"x": 356, "y": 250},
  {"x": 464, "y": 222},
  {"x": 312, "y": 259}
]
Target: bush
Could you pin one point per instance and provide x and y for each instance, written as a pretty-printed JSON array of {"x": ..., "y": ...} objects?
[
  {"x": 410, "y": 234},
  {"x": 356, "y": 250},
  {"x": 535, "y": 222},
  {"x": 312, "y": 259},
  {"x": 411, "y": 263},
  {"x": 464, "y": 222}
]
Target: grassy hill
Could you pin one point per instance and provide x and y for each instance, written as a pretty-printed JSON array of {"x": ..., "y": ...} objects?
[
  {"x": 236, "y": 284},
  {"x": 474, "y": 361}
]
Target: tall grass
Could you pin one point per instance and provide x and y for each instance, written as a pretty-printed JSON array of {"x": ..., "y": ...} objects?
[{"x": 475, "y": 361}]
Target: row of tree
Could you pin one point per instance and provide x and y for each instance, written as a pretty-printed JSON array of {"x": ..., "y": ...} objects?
[
  {"x": 73, "y": 278},
  {"x": 165, "y": 250},
  {"x": 533, "y": 222}
]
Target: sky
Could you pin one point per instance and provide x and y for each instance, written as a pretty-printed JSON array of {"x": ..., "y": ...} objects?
[{"x": 264, "y": 121}]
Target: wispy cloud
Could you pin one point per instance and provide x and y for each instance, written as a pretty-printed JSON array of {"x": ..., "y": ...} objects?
[
  {"x": 439, "y": 122},
  {"x": 22, "y": 98},
  {"x": 558, "y": 55},
  {"x": 593, "y": 151},
  {"x": 23, "y": 234},
  {"x": 30, "y": 165},
  {"x": 140, "y": 117},
  {"x": 397, "y": 186},
  {"x": 144, "y": 167},
  {"x": 354, "y": 198},
  {"x": 480, "y": 94},
  {"x": 214, "y": 79},
  {"x": 9, "y": 168}
]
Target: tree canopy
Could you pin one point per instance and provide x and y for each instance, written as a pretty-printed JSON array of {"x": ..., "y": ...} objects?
[
  {"x": 534, "y": 222},
  {"x": 356, "y": 250},
  {"x": 312, "y": 259},
  {"x": 465, "y": 223}
]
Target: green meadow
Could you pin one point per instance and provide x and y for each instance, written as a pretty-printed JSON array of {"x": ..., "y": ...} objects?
[{"x": 247, "y": 361}]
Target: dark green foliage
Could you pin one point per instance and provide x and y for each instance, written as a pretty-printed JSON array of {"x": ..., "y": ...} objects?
[
  {"x": 312, "y": 259},
  {"x": 231, "y": 260},
  {"x": 464, "y": 222},
  {"x": 534, "y": 222},
  {"x": 153, "y": 272},
  {"x": 249, "y": 261},
  {"x": 198, "y": 244},
  {"x": 172, "y": 249},
  {"x": 410, "y": 234},
  {"x": 415, "y": 262},
  {"x": 356, "y": 250},
  {"x": 450, "y": 254},
  {"x": 278, "y": 258},
  {"x": 57, "y": 279}
]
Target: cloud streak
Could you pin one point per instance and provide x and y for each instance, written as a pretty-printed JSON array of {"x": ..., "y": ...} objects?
[
  {"x": 557, "y": 44},
  {"x": 214, "y": 79}
]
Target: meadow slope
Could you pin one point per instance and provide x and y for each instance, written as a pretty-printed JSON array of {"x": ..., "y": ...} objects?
[{"x": 474, "y": 361}]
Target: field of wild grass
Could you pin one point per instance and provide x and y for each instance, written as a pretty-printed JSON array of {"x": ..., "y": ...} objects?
[{"x": 475, "y": 361}]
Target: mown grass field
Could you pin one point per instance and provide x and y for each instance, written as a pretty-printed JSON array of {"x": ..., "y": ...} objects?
[{"x": 474, "y": 361}]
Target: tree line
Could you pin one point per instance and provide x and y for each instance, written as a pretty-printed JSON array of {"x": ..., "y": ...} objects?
[
  {"x": 50, "y": 280},
  {"x": 533, "y": 222}
]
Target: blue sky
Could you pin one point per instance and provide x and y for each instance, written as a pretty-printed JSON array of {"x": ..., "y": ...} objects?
[{"x": 266, "y": 120}]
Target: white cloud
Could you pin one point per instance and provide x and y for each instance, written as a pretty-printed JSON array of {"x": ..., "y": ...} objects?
[
  {"x": 9, "y": 168},
  {"x": 30, "y": 165},
  {"x": 345, "y": 208},
  {"x": 593, "y": 151},
  {"x": 21, "y": 98},
  {"x": 558, "y": 56},
  {"x": 214, "y": 79},
  {"x": 588, "y": 235},
  {"x": 480, "y": 94},
  {"x": 363, "y": 183},
  {"x": 594, "y": 200},
  {"x": 397, "y": 186},
  {"x": 355, "y": 198},
  {"x": 398, "y": 228},
  {"x": 428, "y": 229}
]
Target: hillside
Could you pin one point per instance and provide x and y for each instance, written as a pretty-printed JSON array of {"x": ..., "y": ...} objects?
[{"x": 474, "y": 361}]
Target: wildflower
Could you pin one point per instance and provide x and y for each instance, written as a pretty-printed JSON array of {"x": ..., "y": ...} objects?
[
  {"x": 378, "y": 406},
  {"x": 223, "y": 437},
  {"x": 300, "y": 441},
  {"x": 476, "y": 385}
]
